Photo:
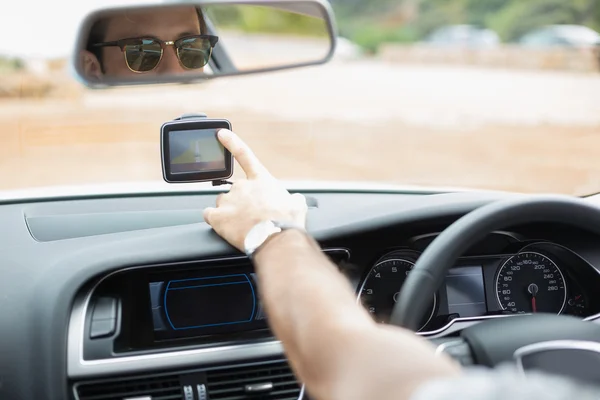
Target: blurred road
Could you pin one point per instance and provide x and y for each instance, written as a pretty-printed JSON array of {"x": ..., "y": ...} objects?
[{"x": 356, "y": 120}]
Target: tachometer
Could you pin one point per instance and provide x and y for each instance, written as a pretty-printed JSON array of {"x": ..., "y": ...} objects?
[
  {"x": 380, "y": 290},
  {"x": 531, "y": 282}
]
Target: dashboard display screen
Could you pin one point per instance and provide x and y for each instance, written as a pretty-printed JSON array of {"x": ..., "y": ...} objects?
[
  {"x": 466, "y": 295},
  {"x": 205, "y": 305}
]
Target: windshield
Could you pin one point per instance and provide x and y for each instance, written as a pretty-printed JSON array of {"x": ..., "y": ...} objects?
[{"x": 494, "y": 94}]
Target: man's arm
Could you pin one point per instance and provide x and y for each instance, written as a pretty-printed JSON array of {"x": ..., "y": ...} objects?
[{"x": 332, "y": 343}]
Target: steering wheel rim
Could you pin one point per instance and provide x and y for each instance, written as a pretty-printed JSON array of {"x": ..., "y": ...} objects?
[{"x": 431, "y": 268}]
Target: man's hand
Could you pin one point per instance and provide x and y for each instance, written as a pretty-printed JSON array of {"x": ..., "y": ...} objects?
[
  {"x": 332, "y": 343},
  {"x": 259, "y": 198}
]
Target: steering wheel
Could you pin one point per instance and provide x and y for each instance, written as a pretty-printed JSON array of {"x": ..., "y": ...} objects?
[{"x": 559, "y": 344}]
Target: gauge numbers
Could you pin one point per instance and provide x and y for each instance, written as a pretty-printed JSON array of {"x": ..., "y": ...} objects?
[
  {"x": 530, "y": 282},
  {"x": 381, "y": 288}
]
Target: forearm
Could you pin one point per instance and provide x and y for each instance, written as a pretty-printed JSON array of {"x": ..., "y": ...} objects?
[
  {"x": 311, "y": 306},
  {"x": 333, "y": 345}
]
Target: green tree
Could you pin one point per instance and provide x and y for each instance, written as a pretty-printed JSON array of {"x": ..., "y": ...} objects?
[
  {"x": 520, "y": 17},
  {"x": 263, "y": 19},
  {"x": 363, "y": 20}
]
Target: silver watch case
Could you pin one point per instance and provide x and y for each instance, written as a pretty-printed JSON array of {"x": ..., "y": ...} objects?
[{"x": 259, "y": 234}]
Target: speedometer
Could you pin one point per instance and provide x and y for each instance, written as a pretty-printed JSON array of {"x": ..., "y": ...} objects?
[
  {"x": 381, "y": 288},
  {"x": 531, "y": 282}
]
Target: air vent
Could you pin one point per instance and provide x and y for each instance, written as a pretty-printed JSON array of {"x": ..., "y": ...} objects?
[
  {"x": 156, "y": 388},
  {"x": 273, "y": 381}
]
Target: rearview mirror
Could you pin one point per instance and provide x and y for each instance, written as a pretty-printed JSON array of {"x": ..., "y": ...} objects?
[{"x": 191, "y": 41}]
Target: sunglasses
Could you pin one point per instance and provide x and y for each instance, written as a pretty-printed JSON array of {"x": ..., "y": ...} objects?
[{"x": 143, "y": 54}]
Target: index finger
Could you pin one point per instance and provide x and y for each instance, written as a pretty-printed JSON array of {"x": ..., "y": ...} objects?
[{"x": 242, "y": 153}]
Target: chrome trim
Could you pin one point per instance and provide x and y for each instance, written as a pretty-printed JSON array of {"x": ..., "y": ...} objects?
[
  {"x": 442, "y": 347},
  {"x": 258, "y": 387},
  {"x": 541, "y": 255},
  {"x": 459, "y": 326},
  {"x": 463, "y": 323},
  {"x": 593, "y": 318},
  {"x": 553, "y": 345},
  {"x": 468, "y": 322},
  {"x": 384, "y": 260},
  {"x": 78, "y": 367},
  {"x": 338, "y": 250}
]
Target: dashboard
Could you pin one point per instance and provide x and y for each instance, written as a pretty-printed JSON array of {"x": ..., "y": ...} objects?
[
  {"x": 144, "y": 309},
  {"x": 108, "y": 294}
]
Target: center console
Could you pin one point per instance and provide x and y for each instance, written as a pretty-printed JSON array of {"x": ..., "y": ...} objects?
[
  {"x": 188, "y": 330},
  {"x": 144, "y": 310},
  {"x": 168, "y": 308}
]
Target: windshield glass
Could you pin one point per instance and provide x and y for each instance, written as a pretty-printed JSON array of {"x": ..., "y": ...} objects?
[{"x": 494, "y": 94}]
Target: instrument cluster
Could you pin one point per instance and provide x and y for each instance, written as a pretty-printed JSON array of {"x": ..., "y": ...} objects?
[{"x": 536, "y": 278}]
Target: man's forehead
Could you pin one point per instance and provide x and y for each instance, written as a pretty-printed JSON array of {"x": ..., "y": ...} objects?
[{"x": 164, "y": 23}]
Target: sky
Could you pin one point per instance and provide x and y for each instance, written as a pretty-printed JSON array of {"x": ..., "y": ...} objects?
[{"x": 46, "y": 28}]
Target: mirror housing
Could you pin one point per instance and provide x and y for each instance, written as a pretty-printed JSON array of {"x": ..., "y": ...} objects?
[{"x": 157, "y": 43}]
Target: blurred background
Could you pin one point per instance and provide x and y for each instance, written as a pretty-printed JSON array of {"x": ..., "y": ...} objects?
[{"x": 494, "y": 94}]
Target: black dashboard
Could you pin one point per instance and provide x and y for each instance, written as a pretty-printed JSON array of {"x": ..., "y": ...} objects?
[
  {"x": 96, "y": 290},
  {"x": 146, "y": 309}
]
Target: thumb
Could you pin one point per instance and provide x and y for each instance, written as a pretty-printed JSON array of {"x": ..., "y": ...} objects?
[{"x": 208, "y": 215}]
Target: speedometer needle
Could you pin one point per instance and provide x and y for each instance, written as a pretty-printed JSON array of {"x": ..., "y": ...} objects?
[{"x": 533, "y": 289}]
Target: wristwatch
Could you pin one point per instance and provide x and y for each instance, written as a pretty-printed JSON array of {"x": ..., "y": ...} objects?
[{"x": 261, "y": 232}]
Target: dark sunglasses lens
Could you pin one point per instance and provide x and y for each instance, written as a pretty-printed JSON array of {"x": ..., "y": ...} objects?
[
  {"x": 144, "y": 55},
  {"x": 194, "y": 53}
]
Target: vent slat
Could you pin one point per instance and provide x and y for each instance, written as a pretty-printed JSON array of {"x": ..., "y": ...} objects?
[
  {"x": 264, "y": 397},
  {"x": 131, "y": 393},
  {"x": 221, "y": 384},
  {"x": 214, "y": 375},
  {"x": 172, "y": 383},
  {"x": 157, "y": 388},
  {"x": 275, "y": 379},
  {"x": 240, "y": 388},
  {"x": 229, "y": 384}
]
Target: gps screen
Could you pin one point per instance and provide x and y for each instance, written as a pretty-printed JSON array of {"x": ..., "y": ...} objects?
[{"x": 195, "y": 151}]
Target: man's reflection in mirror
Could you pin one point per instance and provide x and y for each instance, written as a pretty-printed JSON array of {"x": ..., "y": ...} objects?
[{"x": 171, "y": 40}]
